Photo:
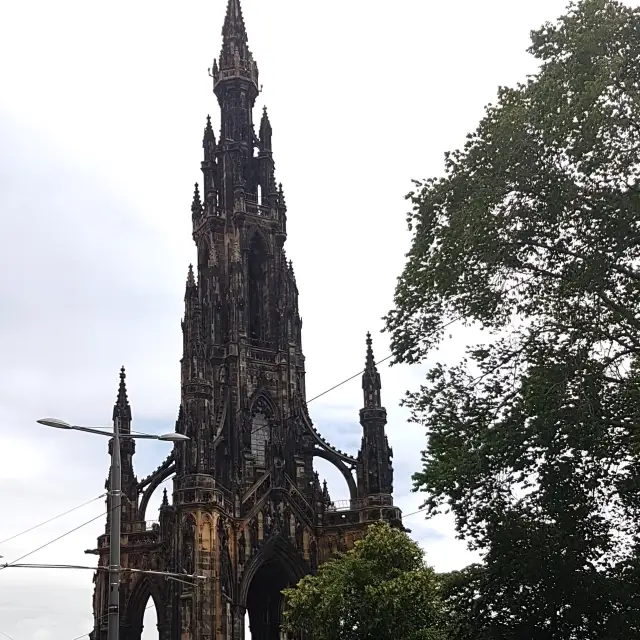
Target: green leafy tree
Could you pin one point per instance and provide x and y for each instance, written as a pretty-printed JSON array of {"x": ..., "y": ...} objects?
[
  {"x": 533, "y": 233},
  {"x": 380, "y": 590}
]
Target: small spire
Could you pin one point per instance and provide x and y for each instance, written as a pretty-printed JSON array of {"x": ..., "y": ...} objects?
[
  {"x": 196, "y": 205},
  {"x": 291, "y": 271},
  {"x": 371, "y": 383},
  {"x": 370, "y": 362},
  {"x": 325, "y": 492},
  {"x": 191, "y": 280},
  {"x": 265, "y": 131},
  {"x": 209, "y": 136},
  {"x": 283, "y": 202},
  {"x": 165, "y": 498},
  {"x": 122, "y": 409}
]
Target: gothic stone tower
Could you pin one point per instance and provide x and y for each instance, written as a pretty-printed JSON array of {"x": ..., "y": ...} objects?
[{"x": 247, "y": 510}]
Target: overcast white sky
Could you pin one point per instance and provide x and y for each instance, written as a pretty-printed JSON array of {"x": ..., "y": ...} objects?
[{"x": 102, "y": 108}]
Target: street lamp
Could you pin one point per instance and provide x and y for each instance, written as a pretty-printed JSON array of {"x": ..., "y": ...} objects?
[{"x": 115, "y": 489}]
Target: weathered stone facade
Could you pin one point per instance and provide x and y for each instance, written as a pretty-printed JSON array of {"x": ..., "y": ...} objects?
[{"x": 247, "y": 509}]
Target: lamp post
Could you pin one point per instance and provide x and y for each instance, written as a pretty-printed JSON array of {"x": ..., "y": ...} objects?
[{"x": 115, "y": 489}]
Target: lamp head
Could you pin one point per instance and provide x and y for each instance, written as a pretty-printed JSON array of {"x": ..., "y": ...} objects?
[
  {"x": 174, "y": 437},
  {"x": 55, "y": 423}
]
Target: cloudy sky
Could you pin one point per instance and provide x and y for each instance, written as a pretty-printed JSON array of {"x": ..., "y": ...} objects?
[{"x": 102, "y": 108}]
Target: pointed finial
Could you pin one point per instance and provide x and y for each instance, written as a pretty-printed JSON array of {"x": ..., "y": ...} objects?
[
  {"x": 191, "y": 281},
  {"x": 122, "y": 409},
  {"x": 371, "y": 364},
  {"x": 209, "y": 136},
  {"x": 196, "y": 203},
  {"x": 165, "y": 498},
  {"x": 283, "y": 202},
  {"x": 265, "y": 131},
  {"x": 290, "y": 270},
  {"x": 371, "y": 383},
  {"x": 122, "y": 389}
]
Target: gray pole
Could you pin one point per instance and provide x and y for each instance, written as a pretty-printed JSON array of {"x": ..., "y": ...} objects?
[{"x": 114, "y": 536}]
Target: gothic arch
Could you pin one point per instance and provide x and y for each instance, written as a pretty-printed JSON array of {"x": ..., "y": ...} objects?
[
  {"x": 262, "y": 402},
  {"x": 341, "y": 467},
  {"x": 145, "y": 588},
  {"x": 280, "y": 550},
  {"x": 255, "y": 232}
]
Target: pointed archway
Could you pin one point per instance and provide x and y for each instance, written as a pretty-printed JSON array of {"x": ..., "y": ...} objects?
[
  {"x": 146, "y": 593},
  {"x": 277, "y": 566}
]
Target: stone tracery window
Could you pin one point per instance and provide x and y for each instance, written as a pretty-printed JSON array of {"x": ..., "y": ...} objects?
[{"x": 259, "y": 439}]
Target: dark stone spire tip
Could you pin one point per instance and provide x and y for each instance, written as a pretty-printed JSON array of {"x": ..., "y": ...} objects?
[
  {"x": 191, "y": 280},
  {"x": 122, "y": 408}
]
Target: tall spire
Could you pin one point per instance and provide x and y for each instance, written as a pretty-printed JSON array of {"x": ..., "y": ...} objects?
[
  {"x": 371, "y": 384},
  {"x": 122, "y": 409},
  {"x": 193, "y": 360},
  {"x": 122, "y": 414},
  {"x": 375, "y": 471},
  {"x": 236, "y": 60}
]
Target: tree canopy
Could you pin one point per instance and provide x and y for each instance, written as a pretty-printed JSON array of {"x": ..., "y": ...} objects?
[
  {"x": 380, "y": 590},
  {"x": 533, "y": 234}
]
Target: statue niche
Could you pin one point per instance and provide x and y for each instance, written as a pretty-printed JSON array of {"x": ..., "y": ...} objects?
[{"x": 258, "y": 321}]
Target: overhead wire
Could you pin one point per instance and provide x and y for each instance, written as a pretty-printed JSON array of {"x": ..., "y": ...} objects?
[
  {"x": 37, "y": 526},
  {"x": 46, "y": 544}
]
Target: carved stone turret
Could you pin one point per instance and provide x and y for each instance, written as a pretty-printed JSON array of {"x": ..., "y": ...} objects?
[
  {"x": 375, "y": 471},
  {"x": 122, "y": 413}
]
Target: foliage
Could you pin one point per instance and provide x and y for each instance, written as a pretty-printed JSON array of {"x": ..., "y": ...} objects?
[
  {"x": 533, "y": 233},
  {"x": 379, "y": 590}
]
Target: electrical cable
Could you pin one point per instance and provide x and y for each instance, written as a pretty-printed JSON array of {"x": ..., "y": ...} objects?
[
  {"x": 84, "y": 504},
  {"x": 64, "y": 535}
]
